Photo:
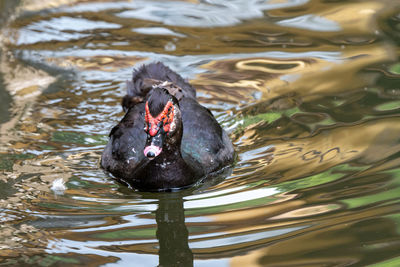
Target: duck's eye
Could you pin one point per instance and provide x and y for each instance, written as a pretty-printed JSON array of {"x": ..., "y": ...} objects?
[{"x": 167, "y": 127}]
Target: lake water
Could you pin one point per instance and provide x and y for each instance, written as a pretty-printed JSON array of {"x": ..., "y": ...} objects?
[{"x": 308, "y": 90}]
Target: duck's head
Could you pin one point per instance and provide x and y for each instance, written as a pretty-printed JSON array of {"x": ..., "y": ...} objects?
[{"x": 163, "y": 122}]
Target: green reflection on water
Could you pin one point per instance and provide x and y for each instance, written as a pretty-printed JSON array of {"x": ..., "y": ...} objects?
[
  {"x": 261, "y": 201},
  {"x": 46, "y": 260},
  {"x": 128, "y": 233},
  {"x": 269, "y": 117},
  {"x": 391, "y": 193},
  {"x": 7, "y": 160},
  {"x": 79, "y": 138},
  {"x": 395, "y": 68},
  {"x": 310, "y": 181},
  {"x": 388, "y": 106},
  {"x": 86, "y": 196},
  {"x": 285, "y": 187},
  {"x": 388, "y": 263}
]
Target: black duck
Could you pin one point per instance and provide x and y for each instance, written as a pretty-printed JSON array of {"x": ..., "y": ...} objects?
[{"x": 166, "y": 139}]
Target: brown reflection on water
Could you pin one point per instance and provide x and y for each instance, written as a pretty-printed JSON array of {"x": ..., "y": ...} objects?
[
  {"x": 100, "y": 63},
  {"x": 237, "y": 80},
  {"x": 253, "y": 36},
  {"x": 30, "y": 179},
  {"x": 330, "y": 147},
  {"x": 291, "y": 87},
  {"x": 25, "y": 84},
  {"x": 353, "y": 18},
  {"x": 305, "y": 78},
  {"x": 347, "y": 237},
  {"x": 312, "y": 227}
]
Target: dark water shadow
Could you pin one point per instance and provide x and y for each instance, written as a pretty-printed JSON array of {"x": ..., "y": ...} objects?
[
  {"x": 172, "y": 233},
  {"x": 5, "y": 102},
  {"x": 6, "y": 8}
]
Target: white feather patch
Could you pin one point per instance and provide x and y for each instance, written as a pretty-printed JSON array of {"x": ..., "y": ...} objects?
[{"x": 58, "y": 186}]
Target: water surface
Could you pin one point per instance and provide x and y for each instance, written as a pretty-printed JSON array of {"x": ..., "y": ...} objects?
[{"x": 307, "y": 90}]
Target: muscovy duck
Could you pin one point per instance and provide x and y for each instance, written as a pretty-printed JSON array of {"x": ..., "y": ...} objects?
[{"x": 166, "y": 140}]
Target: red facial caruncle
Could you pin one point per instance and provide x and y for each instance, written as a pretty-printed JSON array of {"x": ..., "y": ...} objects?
[{"x": 165, "y": 117}]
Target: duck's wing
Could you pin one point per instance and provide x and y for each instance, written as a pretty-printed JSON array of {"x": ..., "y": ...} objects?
[
  {"x": 123, "y": 155},
  {"x": 205, "y": 145}
]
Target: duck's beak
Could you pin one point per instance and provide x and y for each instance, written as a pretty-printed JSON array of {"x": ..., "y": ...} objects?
[{"x": 154, "y": 146}]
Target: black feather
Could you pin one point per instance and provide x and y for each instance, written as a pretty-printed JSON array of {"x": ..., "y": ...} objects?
[
  {"x": 139, "y": 87},
  {"x": 202, "y": 148},
  {"x": 158, "y": 98}
]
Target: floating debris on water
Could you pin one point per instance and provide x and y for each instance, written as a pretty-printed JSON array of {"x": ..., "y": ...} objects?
[{"x": 58, "y": 186}]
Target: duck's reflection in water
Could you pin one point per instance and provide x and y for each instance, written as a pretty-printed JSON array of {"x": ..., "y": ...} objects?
[{"x": 172, "y": 233}]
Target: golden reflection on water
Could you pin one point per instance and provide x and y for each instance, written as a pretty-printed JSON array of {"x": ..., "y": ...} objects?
[
  {"x": 336, "y": 146},
  {"x": 271, "y": 66},
  {"x": 277, "y": 77},
  {"x": 101, "y": 63},
  {"x": 314, "y": 184},
  {"x": 277, "y": 252}
]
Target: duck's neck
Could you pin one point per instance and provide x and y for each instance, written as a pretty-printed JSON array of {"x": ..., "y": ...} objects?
[
  {"x": 168, "y": 170},
  {"x": 170, "y": 155}
]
